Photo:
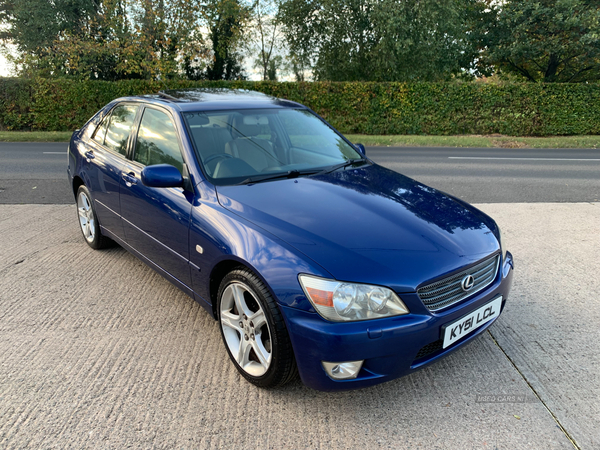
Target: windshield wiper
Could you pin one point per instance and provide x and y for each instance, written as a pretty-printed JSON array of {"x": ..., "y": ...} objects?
[
  {"x": 297, "y": 173},
  {"x": 275, "y": 176},
  {"x": 341, "y": 166}
]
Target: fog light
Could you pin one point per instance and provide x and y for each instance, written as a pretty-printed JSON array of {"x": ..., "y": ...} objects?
[{"x": 342, "y": 370}]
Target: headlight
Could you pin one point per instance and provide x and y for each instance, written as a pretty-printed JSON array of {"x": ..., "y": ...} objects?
[{"x": 340, "y": 302}]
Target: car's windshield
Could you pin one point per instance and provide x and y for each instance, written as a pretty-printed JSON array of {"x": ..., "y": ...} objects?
[{"x": 246, "y": 145}]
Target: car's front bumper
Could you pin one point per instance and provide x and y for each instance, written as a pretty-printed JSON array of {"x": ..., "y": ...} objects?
[{"x": 389, "y": 347}]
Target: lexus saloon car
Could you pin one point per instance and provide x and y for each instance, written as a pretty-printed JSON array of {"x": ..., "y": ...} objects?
[{"x": 314, "y": 260}]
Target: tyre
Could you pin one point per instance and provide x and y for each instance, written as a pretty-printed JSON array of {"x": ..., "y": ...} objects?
[
  {"x": 254, "y": 331},
  {"x": 88, "y": 221}
]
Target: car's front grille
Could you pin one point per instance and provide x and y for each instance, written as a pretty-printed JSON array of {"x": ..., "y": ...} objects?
[{"x": 448, "y": 291}]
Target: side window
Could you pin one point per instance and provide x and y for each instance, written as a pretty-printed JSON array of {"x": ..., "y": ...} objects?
[
  {"x": 119, "y": 128},
  {"x": 157, "y": 140},
  {"x": 101, "y": 130}
]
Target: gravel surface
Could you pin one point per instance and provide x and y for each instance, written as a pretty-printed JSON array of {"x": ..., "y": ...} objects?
[{"x": 99, "y": 351}]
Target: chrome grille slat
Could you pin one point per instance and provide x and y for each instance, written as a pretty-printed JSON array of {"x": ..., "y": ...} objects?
[
  {"x": 448, "y": 291},
  {"x": 484, "y": 273},
  {"x": 440, "y": 292},
  {"x": 490, "y": 273}
]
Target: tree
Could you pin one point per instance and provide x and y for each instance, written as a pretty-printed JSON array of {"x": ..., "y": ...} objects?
[
  {"x": 264, "y": 37},
  {"x": 545, "y": 40},
  {"x": 102, "y": 39},
  {"x": 225, "y": 19},
  {"x": 33, "y": 27},
  {"x": 387, "y": 40}
]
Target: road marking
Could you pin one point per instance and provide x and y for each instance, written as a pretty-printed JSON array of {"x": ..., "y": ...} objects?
[
  {"x": 523, "y": 159},
  {"x": 55, "y": 153}
]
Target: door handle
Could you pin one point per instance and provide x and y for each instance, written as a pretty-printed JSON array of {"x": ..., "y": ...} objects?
[
  {"x": 130, "y": 179},
  {"x": 89, "y": 155}
]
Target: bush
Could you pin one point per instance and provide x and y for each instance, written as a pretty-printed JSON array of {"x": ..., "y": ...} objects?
[{"x": 517, "y": 109}]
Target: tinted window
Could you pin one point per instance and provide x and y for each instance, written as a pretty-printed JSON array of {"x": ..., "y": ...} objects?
[
  {"x": 306, "y": 131},
  {"x": 237, "y": 144},
  {"x": 157, "y": 140},
  {"x": 119, "y": 128},
  {"x": 101, "y": 130}
]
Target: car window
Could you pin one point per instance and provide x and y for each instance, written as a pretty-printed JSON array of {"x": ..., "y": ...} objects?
[
  {"x": 233, "y": 145},
  {"x": 119, "y": 128},
  {"x": 157, "y": 140},
  {"x": 306, "y": 131},
  {"x": 101, "y": 130}
]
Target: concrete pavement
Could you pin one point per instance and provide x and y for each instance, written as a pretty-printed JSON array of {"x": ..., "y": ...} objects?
[{"x": 98, "y": 351}]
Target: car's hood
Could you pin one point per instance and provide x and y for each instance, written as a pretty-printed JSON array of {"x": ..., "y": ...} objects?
[{"x": 368, "y": 224}]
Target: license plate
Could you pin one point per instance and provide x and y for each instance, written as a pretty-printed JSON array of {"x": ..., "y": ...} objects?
[{"x": 471, "y": 322}]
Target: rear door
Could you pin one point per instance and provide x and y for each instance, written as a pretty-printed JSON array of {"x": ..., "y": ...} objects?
[
  {"x": 105, "y": 160},
  {"x": 156, "y": 220}
]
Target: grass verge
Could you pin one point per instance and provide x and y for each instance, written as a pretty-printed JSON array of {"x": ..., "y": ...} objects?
[
  {"x": 478, "y": 141},
  {"x": 385, "y": 141},
  {"x": 35, "y": 136}
]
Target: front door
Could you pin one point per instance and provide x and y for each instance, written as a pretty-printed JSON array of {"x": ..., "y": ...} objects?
[{"x": 156, "y": 220}]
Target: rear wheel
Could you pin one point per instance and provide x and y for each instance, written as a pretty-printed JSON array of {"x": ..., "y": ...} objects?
[
  {"x": 88, "y": 221},
  {"x": 253, "y": 330}
]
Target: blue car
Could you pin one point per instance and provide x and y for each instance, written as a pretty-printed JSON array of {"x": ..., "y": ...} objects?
[{"x": 314, "y": 260}]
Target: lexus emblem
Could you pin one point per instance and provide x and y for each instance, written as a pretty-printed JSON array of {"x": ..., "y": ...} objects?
[{"x": 467, "y": 283}]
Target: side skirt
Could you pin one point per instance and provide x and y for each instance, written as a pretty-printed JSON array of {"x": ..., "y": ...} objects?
[{"x": 185, "y": 288}]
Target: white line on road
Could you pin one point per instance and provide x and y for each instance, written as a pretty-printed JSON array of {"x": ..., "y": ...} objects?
[
  {"x": 523, "y": 159},
  {"x": 55, "y": 153}
]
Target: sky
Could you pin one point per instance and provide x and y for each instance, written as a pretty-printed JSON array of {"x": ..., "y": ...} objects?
[{"x": 5, "y": 67}]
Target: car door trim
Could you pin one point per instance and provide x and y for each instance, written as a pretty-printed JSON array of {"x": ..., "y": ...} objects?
[
  {"x": 171, "y": 278},
  {"x": 156, "y": 240},
  {"x": 110, "y": 209},
  {"x": 142, "y": 231}
]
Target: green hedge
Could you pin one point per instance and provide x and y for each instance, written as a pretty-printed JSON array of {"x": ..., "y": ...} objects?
[{"x": 523, "y": 109}]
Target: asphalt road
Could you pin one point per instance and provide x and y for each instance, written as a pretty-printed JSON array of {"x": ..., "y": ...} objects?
[
  {"x": 492, "y": 175},
  {"x": 36, "y": 172},
  {"x": 99, "y": 351}
]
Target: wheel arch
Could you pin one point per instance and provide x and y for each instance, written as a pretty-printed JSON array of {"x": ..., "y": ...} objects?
[
  {"x": 220, "y": 270},
  {"x": 77, "y": 182}
]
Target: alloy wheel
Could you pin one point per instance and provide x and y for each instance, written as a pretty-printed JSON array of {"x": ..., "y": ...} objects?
[
  {"x": 245, "y": 329},
  {"x": 86, "y": 216}
]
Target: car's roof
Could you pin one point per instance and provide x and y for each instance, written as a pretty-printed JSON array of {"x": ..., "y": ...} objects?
[{"x": 214, "y": 99}]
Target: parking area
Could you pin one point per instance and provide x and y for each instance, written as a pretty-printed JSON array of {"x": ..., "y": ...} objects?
[{"x": 98, "y": 351}]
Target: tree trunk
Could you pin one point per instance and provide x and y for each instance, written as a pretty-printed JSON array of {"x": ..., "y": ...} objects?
[{"x": 550, "y": 75}]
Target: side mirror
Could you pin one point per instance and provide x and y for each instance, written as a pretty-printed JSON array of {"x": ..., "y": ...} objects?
[
  {"x": 162, "y": 176},
  {"x": 361, "y": 148}
]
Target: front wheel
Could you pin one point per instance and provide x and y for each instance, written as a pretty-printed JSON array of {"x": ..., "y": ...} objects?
[
  {"x": 253, "y": 330},
  {"x": 88, "y": 221}
]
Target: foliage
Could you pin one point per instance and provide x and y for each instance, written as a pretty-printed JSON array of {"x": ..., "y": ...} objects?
[
  {"x": 335, "y": 40},
  {"x": 544, "y": 40},
  {"x": 516, "y": 109},
  {"x": 34, "y": 26},
  {"x": 125, "y": 39},
  {"x": 226, "y": 19},
  {"x": 388, "y": 40}
]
